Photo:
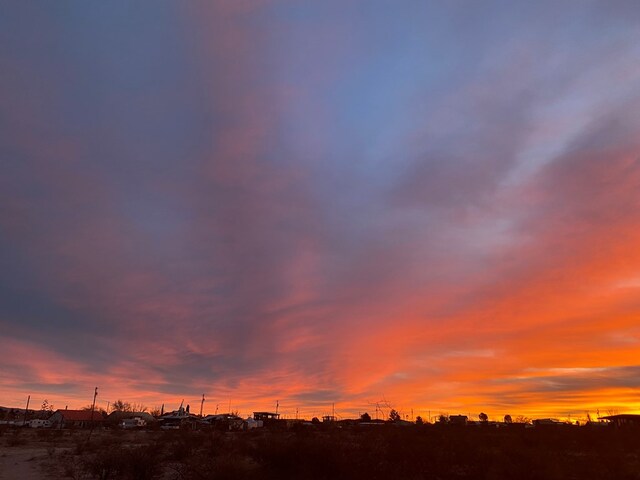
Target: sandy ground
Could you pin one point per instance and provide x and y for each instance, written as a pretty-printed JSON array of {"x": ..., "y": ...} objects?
[
  {"x": 23, "y": 463},
  {"x": 27, "y": 454}
]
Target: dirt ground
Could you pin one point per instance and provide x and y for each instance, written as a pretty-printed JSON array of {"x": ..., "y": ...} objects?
[
  {"x": 22, "y": 463},
  {"x": 388, "y": 452},
  {"x": 27, "y": 454}
]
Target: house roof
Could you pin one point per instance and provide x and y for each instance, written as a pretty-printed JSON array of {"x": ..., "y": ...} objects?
[
  {"x": 118, "y": 416},
  {"x": 623, "y": 416},
  {"x": 221, "y": 417},
  {"x": 80, "y": 415}
]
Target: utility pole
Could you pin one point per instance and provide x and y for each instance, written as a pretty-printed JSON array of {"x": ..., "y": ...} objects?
[
  {"x": 201, "y": 405},
  {"x": 93, "y": 406},
  {"x": 277, "y": 405},
  {"x": 24, "y": 420}
]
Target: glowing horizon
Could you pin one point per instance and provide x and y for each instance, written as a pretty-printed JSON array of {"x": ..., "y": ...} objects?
[{"x": 322, "y": 203}]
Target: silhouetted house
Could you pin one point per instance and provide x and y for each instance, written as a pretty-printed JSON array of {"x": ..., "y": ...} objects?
[
  {"x": 458, "y": 419},
  {"x": 117, "y": 418},
  {"x": 179, "y": 419},
  {"x": 251, "y": 423},
  {"x": 266, "y": 416},
  {"x": 402, "y": 423},
  {"x": 76, "y": 419},
  {"x": 372, "y": 423},
  {"x": 39, "y": 423},
  {"x": 547, "y": 422},
  {"x": 223, "y": 421},
  {"x": 597, "y": 424},
  {"x": 270, "y": 420},
  {"x": 624, "y": 420},
  {"x": 15, "y": 416},
  {"x": 329, "y": 419}
]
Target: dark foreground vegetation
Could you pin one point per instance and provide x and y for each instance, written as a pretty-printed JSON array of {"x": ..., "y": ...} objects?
[{"x": 383, "y": 452}]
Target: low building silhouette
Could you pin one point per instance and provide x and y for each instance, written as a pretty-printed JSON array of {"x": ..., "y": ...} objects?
[
  {"x": 458, "y": 419},
  {"x": 76, "y": 419},
  {"x": 623, "y": 420},
  {"x": 116, "y": 418}
]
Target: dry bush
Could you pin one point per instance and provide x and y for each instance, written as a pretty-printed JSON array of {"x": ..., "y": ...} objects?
[
  {"x": 135, "y": 463},
  {"x": 425, "y": 452},
  {"x": 16, "y": 439},
  {"x": 71, "y": 467}
]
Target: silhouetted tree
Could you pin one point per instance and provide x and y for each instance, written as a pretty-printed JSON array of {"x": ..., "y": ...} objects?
[
  {"x": 419, "y": 420},
  {"x": 507, "y": 419},
  {"x": 46, "y": 409},
  {"x": 315, "y": 420},
  {"x": 394, "y": 416},
  {"x": 483, "y": 417},
  {"x": 443, "y": 419},
  {"x": 139, "y": 407},
  {"x": 97, "y": 409},
  {"x": 365, "y": 417},
  {"x": 120, "y": 406}
]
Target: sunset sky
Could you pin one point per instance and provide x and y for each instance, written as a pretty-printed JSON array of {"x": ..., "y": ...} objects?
[{"x": 431, "y": 203}]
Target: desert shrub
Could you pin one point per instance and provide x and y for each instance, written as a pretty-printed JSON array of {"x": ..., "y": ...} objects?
[
  {"x": 181, "y": 444},
  {"x": 137, "y": 463},
  {"x": 43, "y": 433},
  {"x": 15, "y": 439},
  {"x": 141, "y": 463},
  {"x": 71, "y": 467},
  {"x": 221, "y": 467},
  {"x": 104, "y": 465},
  {"x": 426, "y": 452}
]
